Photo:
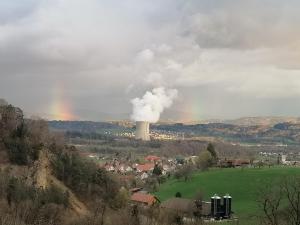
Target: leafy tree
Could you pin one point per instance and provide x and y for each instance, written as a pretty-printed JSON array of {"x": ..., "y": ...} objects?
[
  {"x": 178, "y": 195},
  {"x": 17, "y": 150},
  {"x": 204, "y": 160},
  {"x": 22, "y": 143},
  {"x": 121, "y": 198}
]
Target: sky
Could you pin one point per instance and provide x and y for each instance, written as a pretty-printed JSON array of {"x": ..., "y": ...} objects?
[{"x": 87, "y": 59}]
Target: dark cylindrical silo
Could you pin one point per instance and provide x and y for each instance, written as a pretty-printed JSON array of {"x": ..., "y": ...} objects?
[
  {"x": 227, "y": 205},
  {"x": 215, "y": 206}
]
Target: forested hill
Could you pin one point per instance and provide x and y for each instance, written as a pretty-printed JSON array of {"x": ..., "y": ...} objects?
[
  {"x": 280, "y": 133},
  {"x": 85, "y": 126}
]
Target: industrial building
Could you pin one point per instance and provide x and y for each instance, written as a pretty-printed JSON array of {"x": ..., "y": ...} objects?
[{"x": 142, "y": 131}]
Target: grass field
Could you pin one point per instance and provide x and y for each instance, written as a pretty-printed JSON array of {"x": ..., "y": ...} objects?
[{"x": 242, "y": 184}]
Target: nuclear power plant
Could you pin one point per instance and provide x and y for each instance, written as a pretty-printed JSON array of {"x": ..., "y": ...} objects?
[{"x": 142, "y": 131}]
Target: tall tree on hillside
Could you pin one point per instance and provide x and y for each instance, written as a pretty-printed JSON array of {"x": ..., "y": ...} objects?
[{"x": 211, "y": 149}]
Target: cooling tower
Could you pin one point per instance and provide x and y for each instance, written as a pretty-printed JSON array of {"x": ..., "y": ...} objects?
[{"x": 142, "y": 130}]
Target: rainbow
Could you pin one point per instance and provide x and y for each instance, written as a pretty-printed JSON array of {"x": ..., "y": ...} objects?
[
  {"x": 191, "y": 111},
  {"x": 60, "y": 108}
]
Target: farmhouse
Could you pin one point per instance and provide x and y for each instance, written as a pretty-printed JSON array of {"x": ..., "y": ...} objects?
[
  {"x": 148, "y": 167},
  {"x": 152, "y": 158},
  {"x": 144, "y": 199}
]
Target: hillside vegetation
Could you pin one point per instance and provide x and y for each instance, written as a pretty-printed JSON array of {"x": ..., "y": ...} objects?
[{"x": 44, "y": 181}]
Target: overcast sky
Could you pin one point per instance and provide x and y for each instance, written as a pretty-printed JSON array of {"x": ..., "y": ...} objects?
[{"x": 89, "y": 58}]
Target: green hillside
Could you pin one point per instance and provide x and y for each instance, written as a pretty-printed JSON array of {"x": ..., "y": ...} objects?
[{"x": 242, "y": 184}]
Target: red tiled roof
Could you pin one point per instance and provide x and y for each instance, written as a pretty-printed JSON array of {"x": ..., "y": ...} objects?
[
  {"x": 143, "y": 198},
  {"x": 145, "y": 167},
  {"x": 152, "y": 158}
]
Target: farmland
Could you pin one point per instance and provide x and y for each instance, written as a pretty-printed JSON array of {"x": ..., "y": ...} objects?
[{"x": 242, "y": 184}]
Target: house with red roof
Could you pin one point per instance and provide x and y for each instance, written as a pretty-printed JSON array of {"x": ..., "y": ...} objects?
[
  {"x": 144, "y": 199},
  {"x": 148, "y": 167},
  {"x": 152, "y": 158}
]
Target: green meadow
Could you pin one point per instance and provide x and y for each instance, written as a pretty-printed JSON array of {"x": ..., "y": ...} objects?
[{"x": 242, "y": 184}]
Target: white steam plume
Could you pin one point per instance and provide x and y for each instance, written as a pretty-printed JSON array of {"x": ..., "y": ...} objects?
[{"x": 152, "y": 104}]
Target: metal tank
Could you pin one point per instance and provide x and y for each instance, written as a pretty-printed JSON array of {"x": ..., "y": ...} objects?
[
  {"x": 216, "y": 206},
  {"x": 227, "y": 199}
]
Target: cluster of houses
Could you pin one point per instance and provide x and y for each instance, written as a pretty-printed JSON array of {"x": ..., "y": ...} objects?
[
  {"x": 290, "y": 160},
  {"x": 186, "y": 208},
  {"x": 142, "y": 170},
  {"x": 287, "y": 158}
]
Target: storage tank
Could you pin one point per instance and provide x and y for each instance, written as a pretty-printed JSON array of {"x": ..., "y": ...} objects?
[
  {"x": 215, "y": 206},
  {"x": 142, "y": 130},
  {"x": 227, "y": 205}
]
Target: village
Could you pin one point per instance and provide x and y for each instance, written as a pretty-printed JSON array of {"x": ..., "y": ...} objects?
[{"x": 142, "y": 180}]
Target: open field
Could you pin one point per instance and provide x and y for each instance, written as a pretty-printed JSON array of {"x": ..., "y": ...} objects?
[{"x": 242, "y": 184}]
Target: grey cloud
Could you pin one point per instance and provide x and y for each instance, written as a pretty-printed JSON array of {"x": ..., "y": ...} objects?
[
  {"x": 245, "y": 24},
  {"x": 13, "y": 11},
  {"x": 106, "y": 52}
]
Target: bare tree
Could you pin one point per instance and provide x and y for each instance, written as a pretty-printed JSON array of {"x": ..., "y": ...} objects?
[
  {"x": 280, "y": 202},
  {"x": 269, "y": 202},
  {"x": 291, "y": 188},
  {"x": 184, "y": 172}
]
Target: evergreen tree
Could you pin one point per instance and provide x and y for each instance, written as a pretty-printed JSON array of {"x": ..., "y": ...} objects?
[
  {"x": 157, "y": 170},
  {"x": 211, "y": 149},
  {"x": 178, "y": 195}
]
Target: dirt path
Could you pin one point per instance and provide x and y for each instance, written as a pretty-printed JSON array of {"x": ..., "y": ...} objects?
[{"x": 42, "y": 170}]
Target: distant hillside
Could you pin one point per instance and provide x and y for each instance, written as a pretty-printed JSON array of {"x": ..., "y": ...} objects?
[
  {"x": 263, "y": 121},
  {"x": 287, "y": 133},
  {"x": 82, "y": 126},
  {"x": 281, "y": 133}
]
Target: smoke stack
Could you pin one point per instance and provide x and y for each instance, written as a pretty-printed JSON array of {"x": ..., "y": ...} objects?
[{"x": 142, "y": 131}]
